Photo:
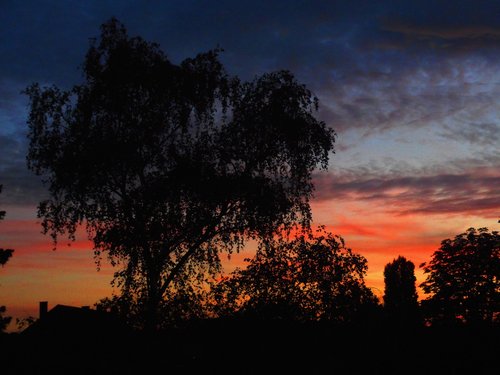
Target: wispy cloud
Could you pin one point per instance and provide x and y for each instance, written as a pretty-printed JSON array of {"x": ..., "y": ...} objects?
[
  {"x": 474, "y": 192},
  {"x": 476, "y": 133},
  {"x": 447, "y": 32}
]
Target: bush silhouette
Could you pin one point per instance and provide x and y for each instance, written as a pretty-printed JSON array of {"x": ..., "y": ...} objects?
[{"x": 310, "y": 277}]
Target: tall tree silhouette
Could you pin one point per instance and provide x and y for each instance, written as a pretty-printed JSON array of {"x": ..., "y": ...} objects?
[
  {"x": 168, "y": 165},
  {"x": 313, "y": 276},
  {"x": 400, "y": 295},
  {"x": 464, "y": 277},
  {"x": 5, "y": 255}
]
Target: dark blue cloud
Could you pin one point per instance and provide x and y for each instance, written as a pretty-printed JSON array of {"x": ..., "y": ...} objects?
[
  {"x": 375, "y": 65},
  {"x": 46, "y": 40}
]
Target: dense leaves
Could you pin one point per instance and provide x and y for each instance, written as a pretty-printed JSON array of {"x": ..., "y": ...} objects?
[
  {"x": 168, "y": 165},
  {"x": 5, "y": 255},
  {"x": 464, "y": 278},
  {"x": 312, "y": 277},
  {"x": 400, "y": 296}
]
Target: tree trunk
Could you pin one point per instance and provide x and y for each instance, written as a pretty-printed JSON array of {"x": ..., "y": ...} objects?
[{"x": 152, "y": 318}]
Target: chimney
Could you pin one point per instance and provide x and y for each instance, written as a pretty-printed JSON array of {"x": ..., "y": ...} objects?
[{"x": 44, "y": 308}]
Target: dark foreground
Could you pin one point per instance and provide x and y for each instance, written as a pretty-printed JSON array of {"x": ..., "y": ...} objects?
[{"x": 243, "y": 347}]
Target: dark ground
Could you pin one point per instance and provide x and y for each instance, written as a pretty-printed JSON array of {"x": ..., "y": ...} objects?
[{"x": 249, "y": 347}]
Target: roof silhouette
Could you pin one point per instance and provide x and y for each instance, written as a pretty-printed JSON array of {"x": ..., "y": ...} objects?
[{"x": 65, "y": 320}]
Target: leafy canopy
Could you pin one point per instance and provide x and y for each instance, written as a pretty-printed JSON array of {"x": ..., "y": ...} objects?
[
  {"x": 400, "y": 295},
  {"x": 168, "y": 165},
  {"x": 313, "y": 276},
  {"x": 464, "y": 277}
]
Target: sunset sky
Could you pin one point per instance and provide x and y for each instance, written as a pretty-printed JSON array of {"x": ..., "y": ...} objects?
[{"x": 412, "y": 89}]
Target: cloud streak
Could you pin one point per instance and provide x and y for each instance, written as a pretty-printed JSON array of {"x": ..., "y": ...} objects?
[
  {"x": 474, "y": 192},
  {"x": 445, "y": 38}
]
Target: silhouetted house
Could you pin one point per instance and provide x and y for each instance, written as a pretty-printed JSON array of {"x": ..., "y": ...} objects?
[
  {"x": 73, "y": 340},
  {"x": 70, "y": 321}
]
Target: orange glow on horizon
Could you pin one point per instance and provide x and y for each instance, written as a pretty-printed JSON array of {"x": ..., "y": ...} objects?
[{"x": 68, "y": 275}]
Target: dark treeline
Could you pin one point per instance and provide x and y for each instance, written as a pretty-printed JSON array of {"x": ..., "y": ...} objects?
[
  {"x": 169, "y": 167},
  {"x": 316, "y": 278}
]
